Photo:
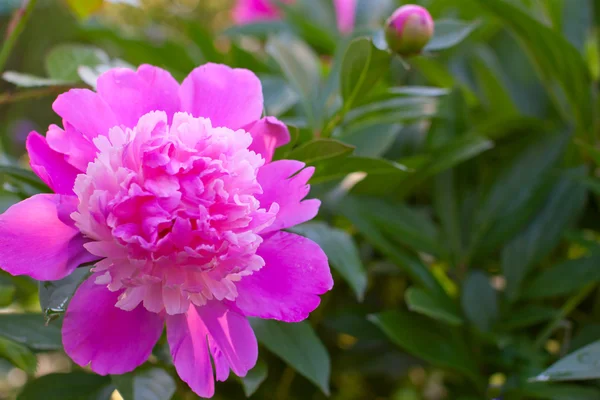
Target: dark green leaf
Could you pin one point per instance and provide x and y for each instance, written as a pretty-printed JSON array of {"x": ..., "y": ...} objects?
[
  {"x": 546, "y": 391},
  {"x": 423, "y": 302},
  {"x": 24, "y": 175},
  {"x": 299, "y": 346},
  {"x": 55, "y": 295},
  {"x": 525, "y": 316},
  {"x": 63, "y": 61},
  {"x": 448, "y": 33},
  {"x": 279, "y": 97},
  {"x": 341, "y": 251},
  {"x": 255, "y": 377},
  {"x": 19, "y": 355},
  {"x": 149, "y": 384},
  {"x": 29, "y": 329},
  {"x": 71, "y": 386},
  {"x": 581, "y": 364},
  {"x": 480, "y": 301},
  {"x": 7, "y": 292},
  {"x": 320, "y": 149},
  {"x": 371, "y": 140},
  {"x": 337, "y": 168}
]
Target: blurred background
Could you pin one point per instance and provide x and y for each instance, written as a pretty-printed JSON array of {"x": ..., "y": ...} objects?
[{"x": 462, "y": 230}]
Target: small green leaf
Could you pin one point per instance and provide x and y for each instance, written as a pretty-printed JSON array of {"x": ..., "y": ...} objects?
[
  {"x": 278, "y": 95},
  {"x": 423, "y": 302},
  {"x": 85, "y": 8},
  {"x": 63, "y": 61},
  {"x": 29, "y": 330},
  {"x": 338, "y": 168},
  {"x": 71, "y": 386},
  {"x": 255, "y": 377},
  {"x": 26, "y": 80},
  {"x": 363, "y": 65},
  {"x": 581, "y": 364},
  {"x": 7, "y": 293},
  {"x": 480, "y": 301},
  {"x": 149, "y": 384},
  {"x": 19, "y": 355},
  {"x": 371, "y": 140},
  {"x": 448, "y": 33},
  {"x": 25, "y": 176},
  {"x": 299, "y": 346},
  {"x": 55, "y": 295},
  {"x": 261, "y": 29},
  {"x": 320, "y": 149},
  {"x": 341, "y": 251},
  {"x": 526, "y": 316}
]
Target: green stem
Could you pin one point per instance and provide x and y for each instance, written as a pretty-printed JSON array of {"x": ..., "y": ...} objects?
[
  {"x": 6, "y": 98},
  {"x": 15, "y": 27},
  {"x": 569, "y": 306}
]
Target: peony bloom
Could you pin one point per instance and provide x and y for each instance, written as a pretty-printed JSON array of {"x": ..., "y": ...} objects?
[
  {"x": 171, "y": 190},
  {"x": 247, "y": 11}
]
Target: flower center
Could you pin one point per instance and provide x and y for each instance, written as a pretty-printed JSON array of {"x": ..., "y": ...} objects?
[{"x": 172, "y": 211}]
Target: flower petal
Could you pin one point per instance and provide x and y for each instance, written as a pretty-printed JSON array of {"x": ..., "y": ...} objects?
[
  {"x": 131, "y": 94},
  {"x": 287, "y": 288},
  {"x": 50, "y": 166},
  {"x": 267, "y": 134},
  {"x": 38, "y": 239},
  {"x": 213, "y": 326},
  {"x": 85, "y": 111},
  {"x": 229, "y": 97},
  {"x": 77, "y": 150},
  {"x": 281, "y": 186},
  {"x": 112, "y": 340},
  {"x": 345, "y": 10}
]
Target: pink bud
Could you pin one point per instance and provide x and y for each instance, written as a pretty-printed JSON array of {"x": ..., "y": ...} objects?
[{"x": 409, "y": 29}]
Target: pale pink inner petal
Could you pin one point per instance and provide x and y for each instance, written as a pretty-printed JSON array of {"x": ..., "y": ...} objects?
[{"x": 268, "y": 134}]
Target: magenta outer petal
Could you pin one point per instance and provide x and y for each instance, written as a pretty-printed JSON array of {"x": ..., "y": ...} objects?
[
  {"x": 112, "y": 340},
  {"x": 86, "y": 111},
  {"x": 288, "y": 192},
  {"x": 131, "y": 94},
  {"x": 247, "y": 11},
  {"x": 76, "y": 149},
  {"x": 287, "y": 288},
  {"x": 346, "y": 14},
  {"x": 229, "y": 97},
  {"x": 215, "y": 326},
  {"x": 50, "y": 166},
  {"x": 268, "y": 134},
  {"x": 38, "y": 239}
]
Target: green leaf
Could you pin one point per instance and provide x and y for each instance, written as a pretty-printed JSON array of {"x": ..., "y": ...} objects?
[
  {"x": 64, "y": 60},
  {"x": 255, "y": 377},
  {"x": 423, "y": 302},
  {"x": 341, "y": 252},
  {"x": 371, "y": 140},
  {"x": 299, "y": 346},
  {"x": 29, "y": 330},
  {"x": 7, "y": 292},
  {"x": 71, "y": 386},
  {"x": 448, "y": 33},
  {"x": 25, "y": 176},
  {"x": 564, "y": 278},
  {"x": 428, "y": 340},
  {"x": 337, "y": 168},
  {"x": 301, "y": 68},
  {"x": 558, "y": 62},
  {"x": 392, "y": 111},
  {"x": 480, "y": 301},
  {"x": 55, "y": 295},
  {"x": 363, "y": 65},
  {"x": 149, "y": 384},
  {"x": 564, "y": 203},
  {"x": 581, "y": 364},
  {"x": 85, "y": 8},
  {"x": 546, "y": 391},
  {"x": 19, "y": 355},
  {"x": 526, "y": 316},
  {"x": 261, "y": 29},
  {"x": 26, "y": 80},
  {"x": 279, "y": 97},
  {"x": 320, "y": 149}
]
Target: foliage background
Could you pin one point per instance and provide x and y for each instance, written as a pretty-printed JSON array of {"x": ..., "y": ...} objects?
[{"x": 466, "y": 259}]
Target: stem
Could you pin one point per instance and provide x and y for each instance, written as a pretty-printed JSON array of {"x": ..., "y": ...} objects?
[
  {"x": 6, "y": 98},
  {"x": 15, "y": 27},
  {"x": 569, "y": 306}
]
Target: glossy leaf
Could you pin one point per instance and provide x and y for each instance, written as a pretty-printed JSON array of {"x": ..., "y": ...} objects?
[
  {"x": 70, "y": 386},
  {"x": 30, "y": 330},
  {"x": 19, "y": 355},
  {"x": 255, "y": 377},
  {"x": 338, "y": 168},
  {"x": 148, "y": 384},
  {"x": 55, "y": 295},
  {"x": 423, "y": 302},
  {"x": 320, "y": 149},
  {"x": 581, "y": 364}
]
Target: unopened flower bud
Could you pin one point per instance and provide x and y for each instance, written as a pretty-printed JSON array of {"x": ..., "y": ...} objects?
[{"x": 409, "y": 29}]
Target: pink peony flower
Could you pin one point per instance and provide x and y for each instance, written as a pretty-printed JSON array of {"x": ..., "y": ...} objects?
[
  {"x": 172, "y": 191},
  {"x": 247, "y": 11}
]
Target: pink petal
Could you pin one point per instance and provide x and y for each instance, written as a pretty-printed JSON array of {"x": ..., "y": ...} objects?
[
  {"x": 229, "y": 97},
  {"x": 248, "y": 11},
  {"x": 227, "y": 333},
  {"x": 112, "y": 340},
  {"x": 38, "y": 239},
  {"x": 279, "y": 186},
  {"x": 50, "y": 166},
  {"x": 77, "y": 150},
  {"x": 345, "y": 10},
  {"x": 287, "y": 288},
  {"x": 131, "y": 94},
  {"x": 86, "y": 111},
  {"x": 267, "y": 134}
]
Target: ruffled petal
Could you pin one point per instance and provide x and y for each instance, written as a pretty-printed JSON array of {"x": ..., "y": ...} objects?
[
  {"x": 50, "y": 166},
  {"x": 131, "y": 94},
  {"x": 38, "y": 239},
  {"x": 86, "y": 111},
  {"x": 287, "y": 288},
  {"x": 112, "y": 340},
  {"x": 267, "y": 134},
  {"x": 215, "y": 327},
  {"x": 229, "y": 97},
  {"x": 76, "y": 149},
  {"x": 283, "y": 184}
]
